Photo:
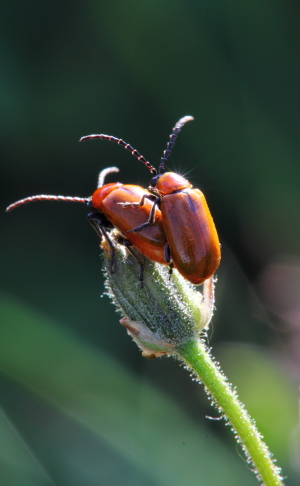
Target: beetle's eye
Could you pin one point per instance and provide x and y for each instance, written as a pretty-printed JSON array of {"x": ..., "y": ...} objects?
[{"x": 153, "y": 181}]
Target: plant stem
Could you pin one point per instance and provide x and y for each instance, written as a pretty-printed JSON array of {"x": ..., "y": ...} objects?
[{"x": 196, "y": 356}]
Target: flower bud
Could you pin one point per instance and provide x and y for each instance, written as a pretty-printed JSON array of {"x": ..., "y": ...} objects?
[{"x": 160, "y": 313}]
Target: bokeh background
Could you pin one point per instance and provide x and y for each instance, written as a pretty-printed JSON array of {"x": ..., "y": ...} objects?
[{"x": 79, "y": 405}]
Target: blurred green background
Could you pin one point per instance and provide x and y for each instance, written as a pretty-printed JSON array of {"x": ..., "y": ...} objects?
[{"x": 79, "y": 405}]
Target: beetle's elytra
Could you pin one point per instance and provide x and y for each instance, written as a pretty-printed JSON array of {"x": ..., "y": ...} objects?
[{"x": 108, "y": 201}]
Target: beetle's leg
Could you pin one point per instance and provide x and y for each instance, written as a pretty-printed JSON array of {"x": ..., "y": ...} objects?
[
  {"x": 171, "y": 266},
  {"x": 151, "y": 197},
  {"x": 151, "y": 219},
  {"x": 96, "y": 220},
  {"x": 137, "y": 256},
  {"x": 167, "y": 255}
]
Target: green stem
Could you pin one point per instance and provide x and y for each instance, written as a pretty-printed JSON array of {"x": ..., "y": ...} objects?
[{"x": 196, "y": 356}]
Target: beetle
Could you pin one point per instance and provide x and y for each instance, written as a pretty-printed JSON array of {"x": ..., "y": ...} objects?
[
  {"x": 106, "y": 203},
  {"x": 107, "y": 212},
  {"x": 193, "y": 244}
]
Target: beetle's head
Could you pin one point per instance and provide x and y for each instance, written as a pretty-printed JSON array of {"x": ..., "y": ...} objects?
[{"x": 153, "y": 182}]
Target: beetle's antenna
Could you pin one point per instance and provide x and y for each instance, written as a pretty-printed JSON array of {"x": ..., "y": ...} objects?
[
  {"x": 44, "y": 197},
  {"x": 173, "y": 137},
  {"x": 125, "y": 145},
  {"x": 104, "y": 173}
]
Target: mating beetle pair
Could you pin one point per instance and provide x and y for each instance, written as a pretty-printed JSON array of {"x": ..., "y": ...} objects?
[{"x": 170, "y": 223}]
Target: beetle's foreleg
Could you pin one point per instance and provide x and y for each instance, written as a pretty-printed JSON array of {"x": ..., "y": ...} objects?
[
  {"x": 151, "y": 219},
  {"x": 96, "y": 220},
  {"x": 151, "y": 197}
]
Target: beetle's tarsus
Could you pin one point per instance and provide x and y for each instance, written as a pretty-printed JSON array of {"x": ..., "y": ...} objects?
[
  {"x": 129, "y": 205},
  {"x": 139, "y": 228}
]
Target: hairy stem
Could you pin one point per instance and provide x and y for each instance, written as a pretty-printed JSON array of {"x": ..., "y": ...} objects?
[{"x": 196, "y": 356}]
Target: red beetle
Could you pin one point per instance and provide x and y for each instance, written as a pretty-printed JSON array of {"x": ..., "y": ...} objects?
[
  {"x": 107, "y": 202},
  {"x": 107, "y": 213},
  {"x": 193, "y": 244}
]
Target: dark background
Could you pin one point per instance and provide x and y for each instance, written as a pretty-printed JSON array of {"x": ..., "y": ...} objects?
[{"x": 79, "y": 405}]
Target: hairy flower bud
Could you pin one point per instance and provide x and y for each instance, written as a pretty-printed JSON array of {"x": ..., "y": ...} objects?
[{"x": 162, "y": 313}]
